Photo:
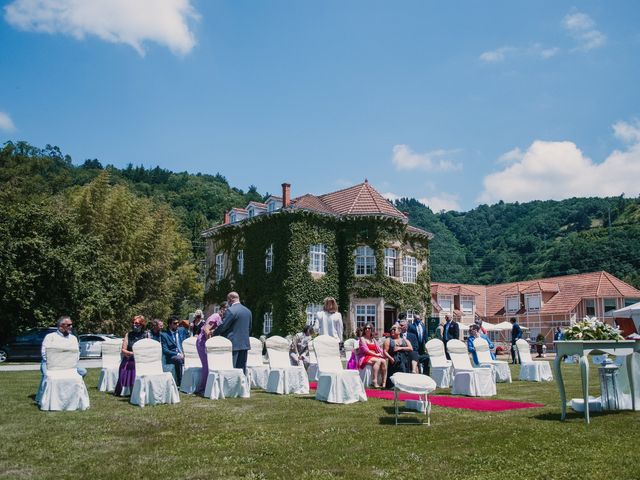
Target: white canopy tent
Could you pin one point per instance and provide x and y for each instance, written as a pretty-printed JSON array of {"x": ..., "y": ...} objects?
[
  {"x": 489, "y": 327},
  {"x": 631, "y": 311}
]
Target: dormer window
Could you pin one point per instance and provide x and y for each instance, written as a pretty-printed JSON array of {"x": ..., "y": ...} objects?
[
  {"x": 533, "y": 302},
  {"x": 271, "y": 207},
  {"x": 233, "y": 217},
  {"x": 512, "y": 304},
  {"x": 251, "y": 211},
  {"x": 446, "y": 303},
  {"x": 466, "y": 304}
]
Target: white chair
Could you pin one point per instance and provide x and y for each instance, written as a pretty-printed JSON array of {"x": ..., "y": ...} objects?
[
  {"x": 63, "y": 388},
  {"x": 284, "y": 378},
  {"x": 192, "y": 369},
  {"x": 366, "y": 375},
  {"x": 168, "y": 367},
  {"x": 152, "y": 386},
  {"x": 441, "y": 368},
  {"x": 530, "y": 370},
  {"x": 257, "y": 371},
  {"x": 473, "y": 382},
  {"x": 336, "y": 385},
  {"x": 422, "y": 385},
  {"x": 350, "y": 345},
  {"x": 223, "y": 380},
  {"x": 500, "y": 368},
  {"x": 111, "y": 352},
  {"x": 312, "y": 369}
]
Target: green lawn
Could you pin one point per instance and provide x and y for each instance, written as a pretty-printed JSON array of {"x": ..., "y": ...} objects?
[{"x": 270, "y": 436}]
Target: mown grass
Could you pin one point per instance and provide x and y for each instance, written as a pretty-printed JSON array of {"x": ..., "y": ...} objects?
[{"x": 270, "y": 436}]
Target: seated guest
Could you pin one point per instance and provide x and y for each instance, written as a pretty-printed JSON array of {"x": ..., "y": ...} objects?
[
  {"x": 299, "y": 349},
  {"x": 156, "y": 329},
  {"x": 172, "y": 346},
  {"x": 198, "y": 323},
  {"x": 370, "y": 353},
  {"x": 127, "y": 372},
  {"x": 65, "y": 326},
  {"x": 418, "y": 355},
  {"x": 474, "y": 332},
  {"x": 398, "y": 350},
  {"x": 206, "y": 331}
]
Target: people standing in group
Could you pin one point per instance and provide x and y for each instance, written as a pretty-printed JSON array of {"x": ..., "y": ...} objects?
[
  {"x": 198, "y": 323},
  {"x": 172, "y": 346},
  {"x": 205, "y": 333},
  {"x": 236, "y": 326},
  {"x": 156, "y": 330},
  {"x": 419, "y": 357},
  {"x": 398, "y": 351},
  {"x": 370, "y": 353},
  {"x": 451, "y": 332},
  {"x": 127, "y": 371},
  {"x": 328, "y": 321},
  {"x": 474, "y": 333},
  {"x": 516, "y": 334},
  {"x": 299, "y": 349}
]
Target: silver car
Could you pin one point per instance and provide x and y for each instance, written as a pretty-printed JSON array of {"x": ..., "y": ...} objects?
[{"x": 91, "y": 344}]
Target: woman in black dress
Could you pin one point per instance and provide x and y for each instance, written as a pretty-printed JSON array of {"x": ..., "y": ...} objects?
[{"x": 398, "y": 350}]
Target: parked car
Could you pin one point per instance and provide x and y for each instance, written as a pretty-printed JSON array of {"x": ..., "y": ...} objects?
[
  {"x": 91, "y": 344},
  {"x": 26, "y": 346}
]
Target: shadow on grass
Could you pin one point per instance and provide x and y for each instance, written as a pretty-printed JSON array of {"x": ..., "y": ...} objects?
[{"x": 556, "y": 417}]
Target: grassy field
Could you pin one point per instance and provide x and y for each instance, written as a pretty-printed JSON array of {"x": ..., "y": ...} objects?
[{"x": 297, "y": 437}]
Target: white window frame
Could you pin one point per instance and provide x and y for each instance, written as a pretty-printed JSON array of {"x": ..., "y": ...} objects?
[
  {"x": 268, "y": 259},
  {"x": 317, "y": 258},
  {"x": 610, "y": 308},
  {"x": 366, "y": 314},
  {"x": 409, "y": 269},
  {"x": 271, "y": 206},
  {"x": 442, "y": 299},
  {"x": 233, "y": 217},
  {"x": 251, "y": 211},
  {"x": 528, "y": 299},
  {"x": 311, "y": 311},
  {"x": 590, "y": 302},
  {"x": 267, "y": 323},
  {"x": 240, "y": 259},
  {"x": 219, "y": 266},
  {"x": 410, "y": 315},
  {"x": 508, "y": 303},
  {"x": 465, "y": 300},
  {"x": 365, "y": 261},
  {"x": 390, "y": 262}
]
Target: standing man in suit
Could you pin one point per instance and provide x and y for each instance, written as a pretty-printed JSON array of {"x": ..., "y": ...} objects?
[
  {"x": 516, "y": 334},
  {"x": 417, "y": 355},
  {"x": 236, "y": 326},
  {"x": 171, "y": 341},
  {"x": 451, "y": 332}
]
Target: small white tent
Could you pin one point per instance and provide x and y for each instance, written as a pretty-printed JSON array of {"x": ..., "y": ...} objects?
[{"x": 631, "y": 311}]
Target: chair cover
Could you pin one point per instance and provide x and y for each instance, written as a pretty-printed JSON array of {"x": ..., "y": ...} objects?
[
  {"x": 257, "y": 371},
  {"x": 283, "y": 377},
  {"x": 223, "y": 380},
  {"x": 473, "y": 382},
  {"x": 500, "y": 368},
  {"x": 350, "y": 345},
  {"x": 110, "y": 365},
  {"x": 312, "y": 370},
  {"x": 366, "y": 375},
  {"x": 441, "y": 368},
  {"x": 530, "y": 370},
  {"x": 422, "y": 385},
  {"x": 168, "y": 367},
  {"x": 192, "y": 366},
  {"x": 335, "y": 385},
  {"x": 152, "y": 386},
  {"x": 62, "y": 387}
]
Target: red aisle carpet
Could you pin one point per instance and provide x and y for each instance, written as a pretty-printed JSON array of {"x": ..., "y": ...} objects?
[{"x": 469, "y": 403}]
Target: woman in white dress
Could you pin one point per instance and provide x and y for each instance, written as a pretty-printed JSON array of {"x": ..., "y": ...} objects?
[{"x": 329, "y": 320}]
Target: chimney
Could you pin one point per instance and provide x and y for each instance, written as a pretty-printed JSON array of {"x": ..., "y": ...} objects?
[
  {"x": 286, "y": 195},
  {"x": 226, "y": 217}
]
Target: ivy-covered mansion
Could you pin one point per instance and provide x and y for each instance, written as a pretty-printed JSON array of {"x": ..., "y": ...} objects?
[{"x": 286, "y": 255}]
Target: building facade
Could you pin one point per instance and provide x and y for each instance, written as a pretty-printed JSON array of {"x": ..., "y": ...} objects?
[{"x": 286, "y": 255}]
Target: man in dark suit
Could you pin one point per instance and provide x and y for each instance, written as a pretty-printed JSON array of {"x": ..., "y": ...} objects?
[
  {"x": 516, "y": 334},
  {"x": 416, "y": 356},
  {"x": 236, "y": 326},
  {"x": 171, "y": 341},
  {"x": 451, "y": 332}
]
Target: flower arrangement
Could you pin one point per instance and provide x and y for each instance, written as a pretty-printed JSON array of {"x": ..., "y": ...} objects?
[{"x": 592, "y": 329}]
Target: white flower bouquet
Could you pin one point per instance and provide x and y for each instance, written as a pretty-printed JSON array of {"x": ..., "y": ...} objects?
[{"x": 592, "y": 329}]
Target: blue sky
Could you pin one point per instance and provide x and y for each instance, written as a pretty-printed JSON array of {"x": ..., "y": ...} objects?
[{"x": 454, "y": 103}]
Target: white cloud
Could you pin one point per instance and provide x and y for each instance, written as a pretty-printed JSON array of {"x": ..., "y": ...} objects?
[
  {"x": 406, "y": 159},
  {"x": 559, "y": 170},
  {"x": 6, "y": 124},
  {"x": 132, "y": 22},
  {"x": 581, "y": 28},
  {"x": 502, "y": 53},
  {"x": 511, "y": 156},
  {"x": 497, "y": 55},
  {"x": 442, "y": 201},
  {"x": 391, "y": 196}
]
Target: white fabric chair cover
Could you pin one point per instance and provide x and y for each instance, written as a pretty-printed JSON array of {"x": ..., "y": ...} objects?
[
  {"x": 152, "y": 386},
  {"x": 168, "y": 367},
  {"x": 349, "y": 346},
  {"x": 335, "y": 384},
  {"x": 366, "y": 375},
  {"x": 473, "y": 382},
  {"x": 530, "y": 370},
  {"x": 192, "y": 366},
  {"x": 257, "y": 371},
  {"x": 312, "y": 370},
  {"x": 441, "y": 368},
  {"x": 422, "y": 385},
  {"x": 283, "y": 377},
  {"x": 223, "y": 380},
  {"x": 62, "y": 387},
  {"x": 111, "y": 353},
  {"x": 500, "y": 368}
]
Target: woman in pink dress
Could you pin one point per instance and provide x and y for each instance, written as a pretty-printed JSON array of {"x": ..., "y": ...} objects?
[
  {"x": 205, "y": 333},
  {"x": 370, "y": 353}
]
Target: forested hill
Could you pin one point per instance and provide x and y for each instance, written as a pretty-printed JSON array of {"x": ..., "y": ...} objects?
[{"x": 518, "y": 241}]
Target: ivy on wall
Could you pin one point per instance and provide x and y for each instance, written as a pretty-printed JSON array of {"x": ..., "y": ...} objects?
[{"x": 290, "y": 287}]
